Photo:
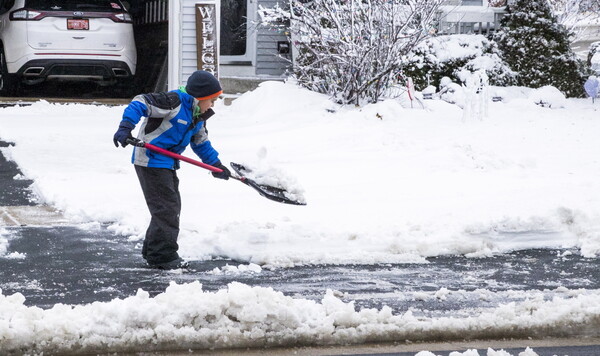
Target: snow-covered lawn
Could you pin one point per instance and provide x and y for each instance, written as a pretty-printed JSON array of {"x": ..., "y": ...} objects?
[{"x": 384, "y": 183}]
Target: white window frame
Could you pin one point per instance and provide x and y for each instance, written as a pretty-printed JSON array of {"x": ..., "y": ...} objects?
[{"x": 249, "y": 58}]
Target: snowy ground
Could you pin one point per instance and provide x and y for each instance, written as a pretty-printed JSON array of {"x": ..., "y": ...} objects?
[{"x": 384, "y": 184}]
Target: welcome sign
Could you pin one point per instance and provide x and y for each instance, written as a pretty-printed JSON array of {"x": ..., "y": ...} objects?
[{"x": 207, "y": 45}]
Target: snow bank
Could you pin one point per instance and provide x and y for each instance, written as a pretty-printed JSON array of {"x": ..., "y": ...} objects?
[
  {"x": 384, "y": 183},
  {"x": 490, "y": 352},
  {"x": 185, "y": 316}
]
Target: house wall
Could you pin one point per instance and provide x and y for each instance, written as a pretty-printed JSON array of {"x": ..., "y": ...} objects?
[
  {"x": 460, "y": 16},
  {"x": 588, "y": 34},
  {"x": 183, "y": 57},
  {"x": 188, "y": 60},
  {"x": 469, "y": 18},
  {"x": 268, "y": 60}
]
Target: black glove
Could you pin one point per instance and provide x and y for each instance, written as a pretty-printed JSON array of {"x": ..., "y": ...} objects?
[
  {"x": 221, "y": 175},
  {"x": 123, "y": 133}
]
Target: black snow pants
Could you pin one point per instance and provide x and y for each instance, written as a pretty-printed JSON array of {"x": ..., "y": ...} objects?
[{"x": 161, "y": 190}]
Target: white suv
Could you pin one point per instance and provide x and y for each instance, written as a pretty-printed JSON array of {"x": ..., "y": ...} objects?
[{"x": 65, "y": 40}]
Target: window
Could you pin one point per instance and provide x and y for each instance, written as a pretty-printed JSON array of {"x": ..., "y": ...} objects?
[
  {"x": 472, "y": 3},
  {"x": 233, "y": 27}
]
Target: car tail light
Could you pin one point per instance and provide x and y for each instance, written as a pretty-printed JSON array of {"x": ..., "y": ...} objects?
[
  {"x": 121, "y": 17},
  {"x": 26, "y": 15},
  {"x": 33, "y": 15}
]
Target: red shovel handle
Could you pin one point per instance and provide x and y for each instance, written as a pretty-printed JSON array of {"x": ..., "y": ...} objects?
[{"x": 162, "y": 151}]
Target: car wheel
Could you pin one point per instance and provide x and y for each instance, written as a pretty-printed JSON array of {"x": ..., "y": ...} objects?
[{"x": 8, "y": 84}]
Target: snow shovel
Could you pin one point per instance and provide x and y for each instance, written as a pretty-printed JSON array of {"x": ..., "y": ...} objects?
[{"x": 267, "y": 191}]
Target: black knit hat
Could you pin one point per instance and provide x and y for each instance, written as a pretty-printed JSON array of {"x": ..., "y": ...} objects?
[{"x": 203, "y": 85}]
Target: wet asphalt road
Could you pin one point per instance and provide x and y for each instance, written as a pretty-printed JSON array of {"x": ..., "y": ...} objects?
[
  {"x": 69, "y": 265},
  {"x": 65, "y": 264}
]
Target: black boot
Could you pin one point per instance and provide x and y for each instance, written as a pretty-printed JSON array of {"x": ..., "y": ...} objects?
[{"x": 175, "y": 264}]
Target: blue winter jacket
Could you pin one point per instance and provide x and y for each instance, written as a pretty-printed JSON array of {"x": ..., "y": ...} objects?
[{"x": 170, "y": 124}]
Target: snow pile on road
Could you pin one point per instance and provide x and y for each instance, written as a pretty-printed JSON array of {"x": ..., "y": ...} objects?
[
  {"x": 490, "y": 352},
  {"x": 237, "y": 270},
  {"x": 3, "y": 242},
  {"x": 384, "y": 183},
  {"x": 5, "y": 237},
  {"x": 185, "y": 316}
]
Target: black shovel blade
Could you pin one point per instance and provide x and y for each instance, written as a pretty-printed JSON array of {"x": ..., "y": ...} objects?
[{"x": 267, "y": 191}]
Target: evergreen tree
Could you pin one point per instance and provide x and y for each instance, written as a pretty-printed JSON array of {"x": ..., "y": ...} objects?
[{"x": 537, "y": 48}]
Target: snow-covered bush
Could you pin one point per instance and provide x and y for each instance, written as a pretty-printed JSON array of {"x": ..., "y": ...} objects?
[
  {"x": 353, "y": 50},
  {"x": 549, "y": 97},
  {"x": 451, "y": 92},
  {"x": 449, "y": 56},
  {"x": 538, "y": 48}
]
